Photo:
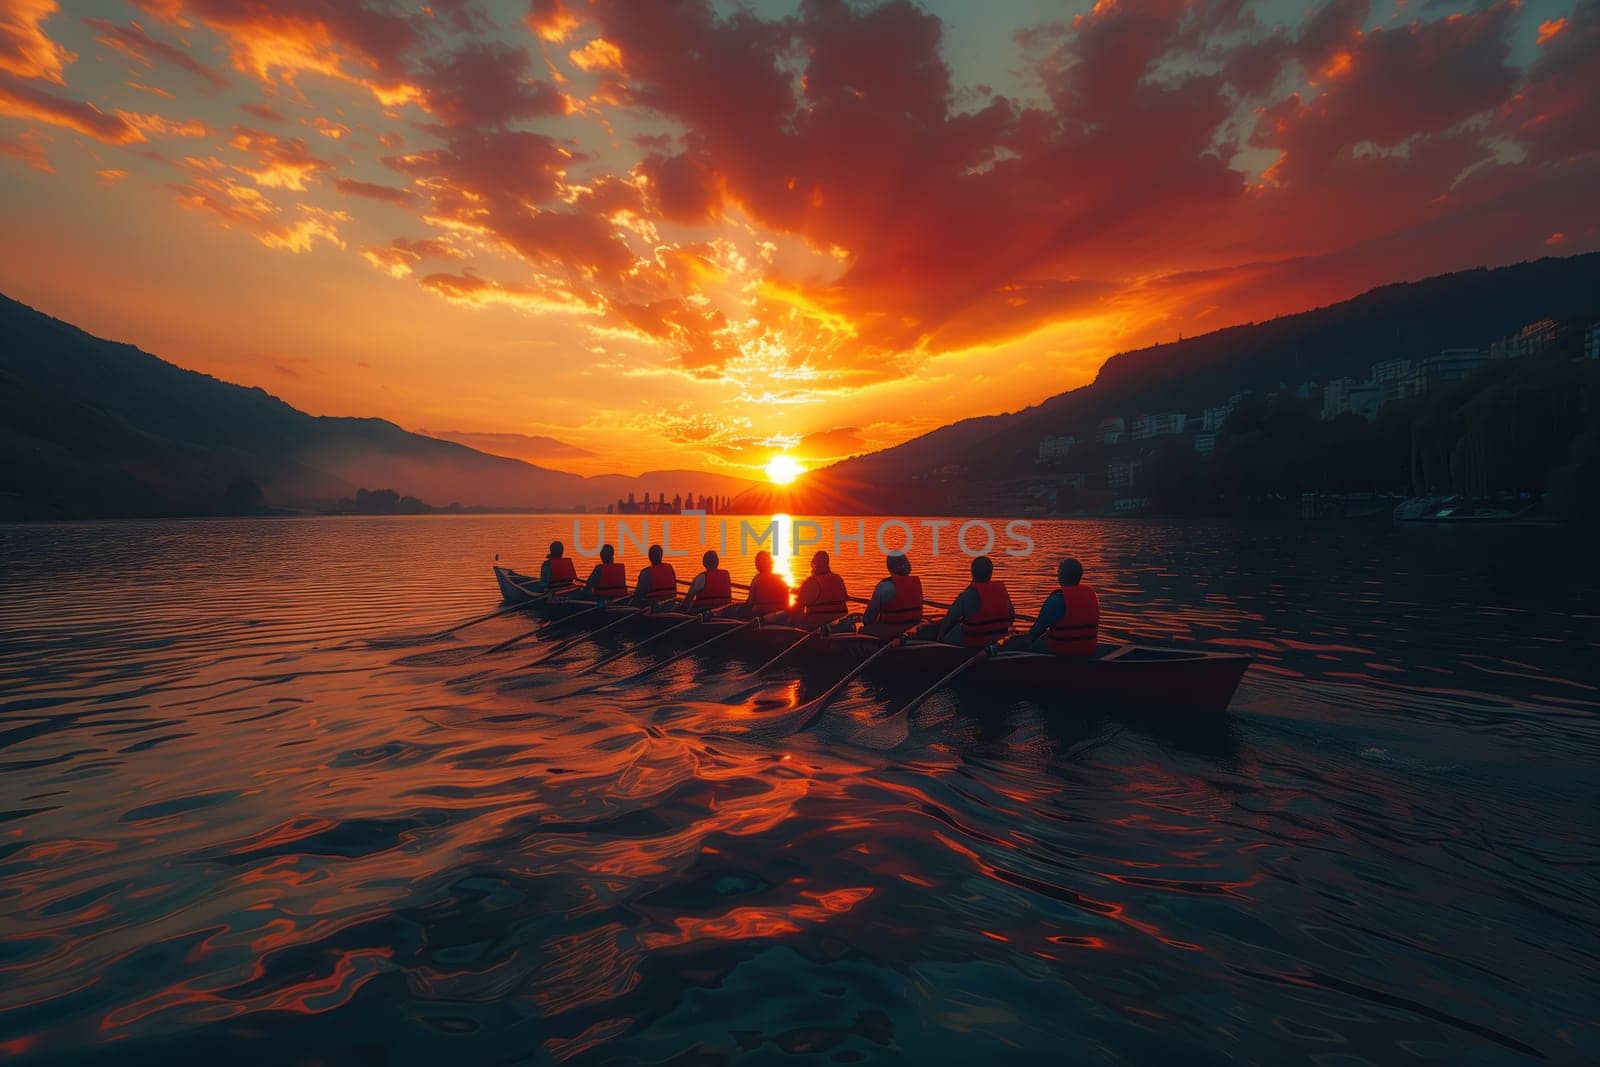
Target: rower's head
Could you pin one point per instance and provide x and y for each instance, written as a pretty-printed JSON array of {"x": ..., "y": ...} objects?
[
  {"x": 608, "y": 554},
  {"x": 982, "y": 569},
  {"x": 820, "y": 563},
  {"x": 710, "y": 561},
  {"x": 1069, "y": 572},
  {"x": 655, "y": 554},
  {"x": 557, "y": 549},
  {"x": 899, "y": 563},
  {"x": 764, "y": 562}
]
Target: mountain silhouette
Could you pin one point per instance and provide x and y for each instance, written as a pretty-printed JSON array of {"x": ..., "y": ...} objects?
[
  {"x": 96, "y": 428},
  {"x": 949, "y": 469}
]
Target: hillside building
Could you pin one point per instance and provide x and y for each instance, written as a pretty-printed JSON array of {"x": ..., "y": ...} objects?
[
  {"x": 1450, "y": 365},
  {"x": 1164, "y": 424},
  {"x": 1528, "y": 341},
  {"x": 1395, "y": 379},
  {"x": 1122, "y": 473},
  {"x": 1052, "y": 449},
  {"x": 1346, "y": 396}
]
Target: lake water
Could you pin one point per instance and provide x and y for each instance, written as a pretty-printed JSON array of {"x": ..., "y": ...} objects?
[{"x": 252, "y": 807}]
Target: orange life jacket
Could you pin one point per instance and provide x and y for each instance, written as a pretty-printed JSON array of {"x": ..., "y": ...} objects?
[
  {"x": 905, "y": 609},
  {"x": 1076, "y": 633},
  {"x": 768, "y": 593},
  {"x": 562, "y": 571},
  {"x": 831, "y": 598},
  {"x": 994, "y": 618},
  {"x": 716, "y": 593},
  {"x": 611, "y": 582},
  {"x": 663, "y": 583}
]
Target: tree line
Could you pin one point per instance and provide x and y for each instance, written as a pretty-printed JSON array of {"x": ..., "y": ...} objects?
[{"x": 1523, "y": 426}]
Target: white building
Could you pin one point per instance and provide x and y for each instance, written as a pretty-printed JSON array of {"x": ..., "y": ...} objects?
[
  {"x": 1346, "y": 396},
  {"x": 1591, "y": 341},
  {"x": 1395, "y": 377},
  {"x": 1110, "y": 431},
  {"x": 1214, "y": 417},
  {"x": 1450, "y": 365},
  {"x": 1122, "y": 472},
  {"x": 1205, "y": 442},
  {"x": 1528, "y": 341},
  {"x": 1054, "y": 448},
  {"x": 1164, "y": 424}
]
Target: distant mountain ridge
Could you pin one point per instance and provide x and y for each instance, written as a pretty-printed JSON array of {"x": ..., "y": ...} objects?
[
  {"x": 1404, "y": 320},
  {"x": 90, "y": 427}
]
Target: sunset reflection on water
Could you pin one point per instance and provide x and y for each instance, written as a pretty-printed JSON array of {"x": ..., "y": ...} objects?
[{"x": 253, "y": 802}]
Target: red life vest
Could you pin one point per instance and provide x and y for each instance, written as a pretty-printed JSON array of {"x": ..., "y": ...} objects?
[
  {"x": 716, "y": 593},
  {"x": 1076, "y": 633},
  {"x": 905, "y": 609},
  {"x": 831, "y": 598},
  {"x": 611, "y": 582},
  {"x": 663, "y": 583},
  {"x": 768, "y": 593},
  {"x": 561, "y": 571},
  {"x": 994, "y": 618}
]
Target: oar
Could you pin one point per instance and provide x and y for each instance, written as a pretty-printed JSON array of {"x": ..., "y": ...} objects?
[
  {"x": 814, "y": 708},
  {"x": 587, "y": 635},
  {"x": 546, "y": 628},
  {"x": 504, "y": 609},
  {"x": 636, "y": 646},
  {"x": 955, "y": 672},
  {"x": 691, "y": 650},
  {"x": 809, "y": 634}
]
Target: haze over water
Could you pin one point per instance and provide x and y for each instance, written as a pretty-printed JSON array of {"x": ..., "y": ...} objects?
[{"x": 251, "y": 806}]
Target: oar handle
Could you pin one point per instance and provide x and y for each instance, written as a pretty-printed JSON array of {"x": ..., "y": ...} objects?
[{"x": 1029, "y": 619}]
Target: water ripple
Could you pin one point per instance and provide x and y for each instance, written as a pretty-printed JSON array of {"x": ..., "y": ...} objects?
[{"x": 264, "y": 811}]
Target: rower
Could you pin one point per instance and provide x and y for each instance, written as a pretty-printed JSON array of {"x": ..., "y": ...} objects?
[
  {"x": 1069, "y": 622},
  {"x": 896, "y": 603},
  {"x": 769, "y": 593},
  {"x": 609, "y": 579},
  {"x": 658, "y": 583},
  {"x": 712, "y": 588},
  {"x": 982, "y": 614},
  {"x": 822, "y": 597},
  {"x": 557, "y": 571}
]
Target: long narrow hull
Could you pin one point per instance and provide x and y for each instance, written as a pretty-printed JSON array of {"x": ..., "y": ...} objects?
[
  {"x": 1120, "y": 678},
  {"x": 1124, "y": 677}
]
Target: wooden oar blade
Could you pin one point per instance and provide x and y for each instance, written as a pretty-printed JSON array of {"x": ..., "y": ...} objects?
[
  {"x": 815, "y": 707},
  {"x": 952, "y": 675}
]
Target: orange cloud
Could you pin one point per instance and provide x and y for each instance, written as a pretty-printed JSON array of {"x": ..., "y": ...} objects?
[
  {"x": 282, "y": 39},
  {"x": 551, "y": 20},
  {"x": 473, "y": 291},
  {"x": 29, "y": 147},
  {"x": 20, "y": 100},
  {"x": 244, "y": 207},
  {"x": 25, "y": 49},
  {"x": 276, "y": 162},
  {"x": 399, "y": 257}
]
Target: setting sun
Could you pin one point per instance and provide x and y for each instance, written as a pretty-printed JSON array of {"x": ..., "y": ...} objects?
[{"x": 783, "y": 470}]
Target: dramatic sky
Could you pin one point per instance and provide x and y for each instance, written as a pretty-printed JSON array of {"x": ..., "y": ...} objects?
[{"x": 616, "y": 235}]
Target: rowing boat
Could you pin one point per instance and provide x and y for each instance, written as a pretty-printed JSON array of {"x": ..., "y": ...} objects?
[{"x": 1129, "y": 677}]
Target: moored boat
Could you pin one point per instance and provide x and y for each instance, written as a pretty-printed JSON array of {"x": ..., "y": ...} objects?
[{"x": 1129, "y": 677}]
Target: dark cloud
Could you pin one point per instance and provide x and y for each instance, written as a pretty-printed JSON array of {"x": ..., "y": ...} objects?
[
  {"x": 144, "y": 50},
  {"x": 374, "y": 191}
]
